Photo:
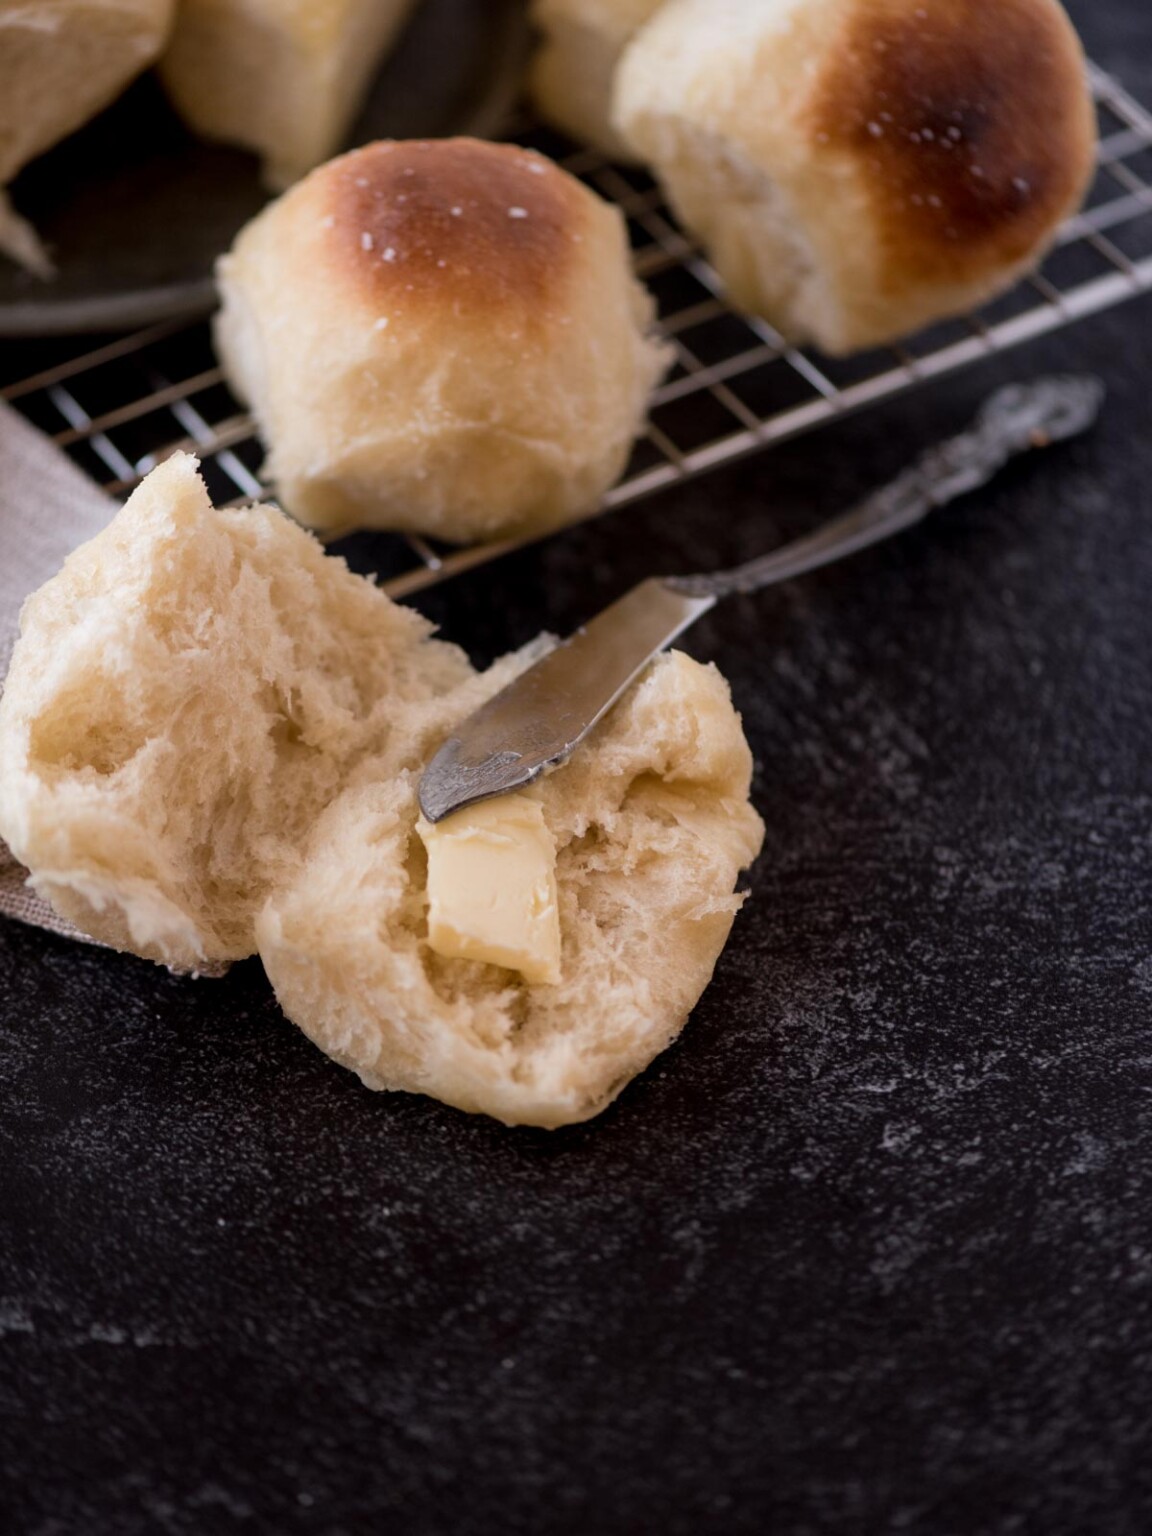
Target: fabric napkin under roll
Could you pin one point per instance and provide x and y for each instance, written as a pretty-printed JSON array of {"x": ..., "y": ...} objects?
[{"x": 47, "y": 508}]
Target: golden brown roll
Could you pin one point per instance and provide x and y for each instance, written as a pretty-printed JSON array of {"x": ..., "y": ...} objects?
[
  {"x": 284, "y": 78},
  {"x": 443, "y": 337},
  {"x": 859, "y": 168}
]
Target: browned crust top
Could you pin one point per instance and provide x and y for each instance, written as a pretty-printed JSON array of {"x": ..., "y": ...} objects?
[
  {"x": 471, "y": 226},
  {"x": 969, "y": 122}
]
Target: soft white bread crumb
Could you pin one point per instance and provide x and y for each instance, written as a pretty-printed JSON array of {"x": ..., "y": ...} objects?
[
  {"x": 859, "y": 168},
  {"x": 284, "y": 78},
  {"x": 652, "y": 825},
  {"x": 575, "y": 63},
  {"x": 184, "y": 699},
  {"x": 210, "y": 740},
  {"x": 61, "y": 62},
  {"x": 442, "y": 337}
]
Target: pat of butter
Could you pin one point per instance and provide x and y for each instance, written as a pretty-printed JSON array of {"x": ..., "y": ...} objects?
[{"x": 492, "y": 887}]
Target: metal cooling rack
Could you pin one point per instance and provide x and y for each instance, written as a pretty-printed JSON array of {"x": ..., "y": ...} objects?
[{"x": 736, "y": 387}]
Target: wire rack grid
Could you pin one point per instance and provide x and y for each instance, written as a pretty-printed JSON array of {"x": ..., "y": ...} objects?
[{"x": 736, "y": 386}]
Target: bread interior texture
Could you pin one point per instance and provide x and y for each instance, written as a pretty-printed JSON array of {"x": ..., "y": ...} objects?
[
  {"x": 199, "y": 684},
  {"x": 652, "y": 827},
  {"x": 211, "y": 739}
]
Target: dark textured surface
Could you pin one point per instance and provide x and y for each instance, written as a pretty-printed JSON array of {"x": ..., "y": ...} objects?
[{"x": 869, "y": 1251}]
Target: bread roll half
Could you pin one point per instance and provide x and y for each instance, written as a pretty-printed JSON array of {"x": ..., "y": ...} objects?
[
  {"x": 652, "y": 825},
  {"x": 284, "y": 78},
  {"x": 61, "y": 62},
  {"x": 574, "y": 67},
  {"x": 859, "y": 168},
  {"x": 184, "y": 699},
  {"x": 210, "y": 740},
  {"x": 442, "y": 337}
]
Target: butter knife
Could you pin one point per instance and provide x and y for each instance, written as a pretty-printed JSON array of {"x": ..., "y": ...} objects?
[{"x": 538, "y": 721}]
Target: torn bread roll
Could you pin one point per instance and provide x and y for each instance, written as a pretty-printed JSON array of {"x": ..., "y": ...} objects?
[
  {"x": 210, "y": 741},
  {"x": 859, "y": 168},
  {"x": 185, "y": 697},
  {"x": 284, "y": 78},
  {"x": 574, "y": 66},
  {"x": 440, "y": 337},
  {"x": 652, "y": 826},
  {"x": 61, "y": 62}
]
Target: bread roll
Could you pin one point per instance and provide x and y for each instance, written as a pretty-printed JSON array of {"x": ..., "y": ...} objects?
[
  {"x": 185, "y": 697},
  {"x": 859, "y": 168},
  {"x": 61, "y": 62},
  {"x": 210, "y": 741},
  {"x": 443, "y": 337},
  {"x": 653, "y": 827},
  {"x": 574, "y": 66},
  {"x": 285, "y": 78}
]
